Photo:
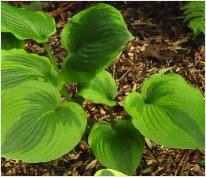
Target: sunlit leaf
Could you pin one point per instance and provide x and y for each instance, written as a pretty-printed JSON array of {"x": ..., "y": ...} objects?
[
  {"x": 25, "y": 24},
  {"x": 36, "y": 126},
  {"x": 101, "y": 89},
  {"x": 19, "y": 66},
  {"x": 117, "y": 145},
  {"x": 94, "y": 37},
  {"x": 168, "y": 111}
]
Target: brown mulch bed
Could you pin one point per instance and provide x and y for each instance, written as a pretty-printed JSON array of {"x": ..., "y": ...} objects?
[{"x": 162, "y": 40}]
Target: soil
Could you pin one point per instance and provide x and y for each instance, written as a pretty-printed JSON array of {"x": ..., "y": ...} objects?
[{"x": 162, "y": 40}]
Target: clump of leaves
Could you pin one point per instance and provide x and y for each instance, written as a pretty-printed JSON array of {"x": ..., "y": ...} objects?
[
  {"x": 168, "y": 111},
  {"x": 195, "y": 16},
  {"x": 37, "y": 126}
]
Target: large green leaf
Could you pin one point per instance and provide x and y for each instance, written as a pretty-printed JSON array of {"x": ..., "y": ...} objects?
[
  {"x": 9, "y": 41},
  {"x": 36, "y": 127},
  {"x": 117, "y": 145},
  {"x": 108, "y": 172},
  {"x": 168, "y": 111},
  {"x": 19, "y": 66},
  {"x": 25, "y": 24},
  {"x": 101, "y": 89},
  {"x": 94, "y": 37}
]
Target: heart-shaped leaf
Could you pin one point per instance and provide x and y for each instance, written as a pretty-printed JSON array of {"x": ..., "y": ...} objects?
[
  {"x": 108, "y": 172},
  {"x": 101, "y": 89},
  {"x": 94, "y": 37},
  {"x": 36, "y": 127},
  {"x": 19, "y": 66},
  {"x": 118, "y": 145},
  {"x": 25, "y": 24},
  {"x": 168, "y": 111},
  {"x": 9, "y": 41}
]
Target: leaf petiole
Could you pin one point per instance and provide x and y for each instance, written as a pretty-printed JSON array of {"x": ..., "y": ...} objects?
[{"x": 50, "y": 55}]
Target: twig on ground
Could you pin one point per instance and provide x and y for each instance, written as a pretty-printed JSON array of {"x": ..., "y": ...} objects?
[
  {"x": 122, "y": 77},
  {"x": 60, "y": 9}
]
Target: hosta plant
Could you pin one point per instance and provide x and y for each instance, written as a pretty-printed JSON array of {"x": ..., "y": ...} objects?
[
  {"x": 38, "y": 125},
  {"x": 168, "y": 111}
]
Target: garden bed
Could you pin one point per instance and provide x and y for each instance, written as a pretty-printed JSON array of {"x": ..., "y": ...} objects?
[{"x": 162, "y": 40}]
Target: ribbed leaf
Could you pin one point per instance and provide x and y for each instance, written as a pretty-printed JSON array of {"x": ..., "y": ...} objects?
[
  {"x": 108, "y": 172},
  {"x": 25, "y": 24},
  {"x": 195, "y": 15},
  {"x": 94, "y": 37},
  {"x": 36, "y": 127},
  {"x": 19, "y": 66},
  {"x": 168, "y": 111},
  {"x": 118, "y": 146},
  {"x": 197, "y": 25},
  {"x": 9, "y": 41},
  {"x": 194, "y": 6},
  {"x": 101, "y": 89}
]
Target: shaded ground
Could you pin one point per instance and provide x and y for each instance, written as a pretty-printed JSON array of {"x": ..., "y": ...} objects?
[{"x": 162, "y": 40}]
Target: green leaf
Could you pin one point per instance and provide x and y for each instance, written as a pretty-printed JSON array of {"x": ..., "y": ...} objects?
[
  {"x": 73, "y": 76},
  {"x": 202, "y": 162},
  {"x": 36, "y": 127},
  {"x": 165, "y": 70},
  {"x": 168, "y": 111},
  {"x": 19, "y": 66},
  {"x": 35, "y": 6},
  {"x": 197, "y": 25},
  {"x": 195, "y": 15},
  {"x": 118, "y": 146},
  {"x": 194, "y": 6},
  {"x": 25, "y": 24},
  {"x": 94, "y": 37},
  {"x": 100, "y": 90},
  {"x": 108, "y": 172},
  {"x": 9, "y": 41}
]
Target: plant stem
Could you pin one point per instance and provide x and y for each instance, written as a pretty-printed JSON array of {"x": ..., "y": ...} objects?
[
  {"x": 65, "y": 92},
  {"x": 50, "y": 55},
  {"x": 79, "y": 100},
  {"x": 111, "y": 113}
]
